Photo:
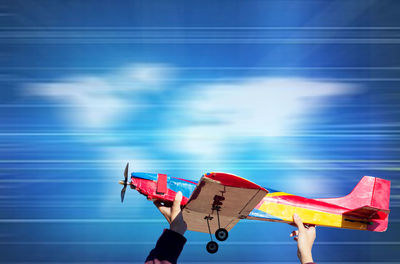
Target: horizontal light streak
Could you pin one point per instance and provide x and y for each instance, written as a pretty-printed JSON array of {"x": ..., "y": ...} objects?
[
  {"x": 178, "y": 105},
  {"x": 56, "y": 181},
  {"x": 202, "y": 161},
  {"x": 221, "y": 79},
  {"x": 203, "y": 27},
  {"x": 382, "y": 134},
  {"x": 57, "y": 198},
  {"x": 200, "y": 262},
  {"x": 388, "y": 135},
  {"x": 34, "y": 198},
  {"x": 196, "y": 243},
  {"x": 191, "y": 167},
  {"x": 73, "y": 205},
  {"x": 201, "y": 68},
  {"x": 103, "y": 203},
  {"x": 87, "y": 220},
  {"x": 221, "y": 41},
  {"x": 96, "y": 220},
  {"x": 51, "y": 196},
  {"x": 213, "y": 34}
]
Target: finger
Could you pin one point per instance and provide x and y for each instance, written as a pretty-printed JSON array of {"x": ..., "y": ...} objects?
[
  {"x": 294, "y": 233},
  {"x": 311, "y": 227},
  {"x": 298, "y": 222},
  {"x": 157, "y": 203},
  {"x": 295, "y": 238},
  {"x": 312, "y": 230},
  {"x": 165, "y": 211},
  {"x": 176, "y": 206},
  {"x": 162, "y": 203}
]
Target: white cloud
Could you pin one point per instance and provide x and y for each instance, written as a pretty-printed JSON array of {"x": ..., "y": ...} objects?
[
  {"x": 101, "y": 101},
  {"x": 149, "y": 73},
  {"x": 214, "y": 119},
  {"x": 266, "y": 107},
  {"x": 91, "y": 98},
  {"x": 139, "y": 158}
]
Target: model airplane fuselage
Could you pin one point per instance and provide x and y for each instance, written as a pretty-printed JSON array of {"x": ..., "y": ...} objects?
[{"x": 219, "y": 200}]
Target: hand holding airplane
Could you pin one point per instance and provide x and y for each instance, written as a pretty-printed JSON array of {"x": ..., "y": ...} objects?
[
  {"x": 173, "y": 214},
  {"x": 305, "y": 237}
]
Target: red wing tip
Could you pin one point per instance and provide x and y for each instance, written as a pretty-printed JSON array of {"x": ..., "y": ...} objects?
[{"x": 233, "y": 180}]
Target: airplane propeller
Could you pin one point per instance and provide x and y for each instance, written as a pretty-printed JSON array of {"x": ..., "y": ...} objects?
[{"x": 125, "y": 182}]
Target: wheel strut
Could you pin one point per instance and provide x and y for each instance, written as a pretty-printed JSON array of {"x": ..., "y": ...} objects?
[
  {"x": 212, "y": 246},
  {"x": 221, "y": 234}
]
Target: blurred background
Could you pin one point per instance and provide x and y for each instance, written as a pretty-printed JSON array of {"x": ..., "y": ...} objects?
[{"x": 298, "y": 96}]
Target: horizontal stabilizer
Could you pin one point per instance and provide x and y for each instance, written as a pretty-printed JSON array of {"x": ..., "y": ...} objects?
[
  {"x": 367, "y": 212},
  {"x": 369, "y": 200},
  {"x": 370, "y": 191}
]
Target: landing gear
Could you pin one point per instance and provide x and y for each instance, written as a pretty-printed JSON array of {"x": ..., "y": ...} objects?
[
  {"x": 212, "y": 247},
  {"x": 221, "y": 234}
]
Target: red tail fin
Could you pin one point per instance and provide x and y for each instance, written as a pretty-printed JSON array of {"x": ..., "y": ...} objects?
[{"x": 370, "y": 192}]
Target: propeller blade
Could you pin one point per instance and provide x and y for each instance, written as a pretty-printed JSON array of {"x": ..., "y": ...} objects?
[
  {"x": 123, "y": 193},
  {"x": 125, "y": 182},
  {"x": 126, "y": 172}
]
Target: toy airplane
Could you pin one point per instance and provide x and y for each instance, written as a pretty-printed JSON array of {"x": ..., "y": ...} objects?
[{"x": 219, "y": 200}]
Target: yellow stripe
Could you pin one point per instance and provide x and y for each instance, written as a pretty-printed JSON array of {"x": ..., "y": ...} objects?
[
  {"x": 285, "y": 212},
  {"x": 277, "y": 194}
]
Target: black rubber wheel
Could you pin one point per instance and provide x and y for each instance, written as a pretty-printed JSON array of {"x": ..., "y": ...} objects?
[
  {"x": 221, "y": 234},
  {"x": 212, "y": 247}
]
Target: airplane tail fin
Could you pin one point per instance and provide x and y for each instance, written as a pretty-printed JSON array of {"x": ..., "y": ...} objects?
[{"x": 368, "y": 200}]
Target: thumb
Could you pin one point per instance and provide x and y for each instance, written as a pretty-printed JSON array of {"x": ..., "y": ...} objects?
[
  {"x": 176, "y": 206},
  {"x": 298, "y": 222}
]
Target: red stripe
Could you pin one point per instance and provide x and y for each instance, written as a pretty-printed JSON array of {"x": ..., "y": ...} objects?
[
  {"x": 185, "y": 180},
  {"x": 162, "y": 183}
]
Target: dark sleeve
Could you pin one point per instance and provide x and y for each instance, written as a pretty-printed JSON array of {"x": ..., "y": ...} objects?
[{"x": 169, "y": 246}]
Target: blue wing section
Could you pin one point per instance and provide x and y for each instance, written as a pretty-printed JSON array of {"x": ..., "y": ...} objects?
[
  {"x": 179, "y": 185},
  {"x": 145, "y": 175},
  {"x": 260, "y": 214}
]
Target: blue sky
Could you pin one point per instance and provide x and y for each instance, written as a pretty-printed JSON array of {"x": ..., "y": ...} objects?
[{"x": 299, "y": 96}]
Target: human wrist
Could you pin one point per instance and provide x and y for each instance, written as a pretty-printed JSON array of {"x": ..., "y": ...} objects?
[
  {"x": 178, "y": 229},
  {"x": 306, "y": 258}
]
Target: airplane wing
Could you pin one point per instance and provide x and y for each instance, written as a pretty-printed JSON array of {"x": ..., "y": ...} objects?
[{"x": 232, "y": 195}]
